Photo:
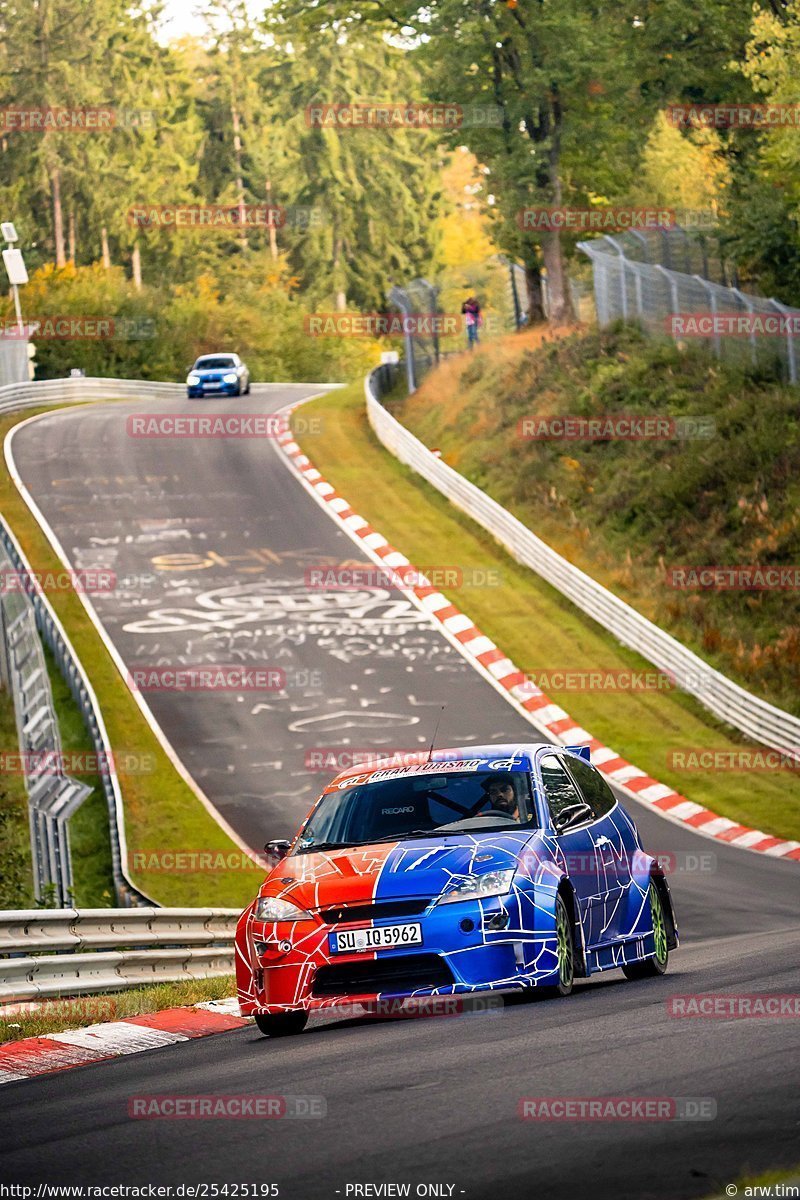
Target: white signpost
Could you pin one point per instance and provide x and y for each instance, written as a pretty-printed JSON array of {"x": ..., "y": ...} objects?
[{"x": 14, "y": 265}]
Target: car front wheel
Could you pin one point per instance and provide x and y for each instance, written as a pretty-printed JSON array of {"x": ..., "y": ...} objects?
[
  {"x": 657, "y": 964},
  {"x": 565, "y": 952},
  {"x": 281, "y": 1024}
]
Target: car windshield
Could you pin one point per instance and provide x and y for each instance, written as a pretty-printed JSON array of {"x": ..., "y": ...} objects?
[
  {"x": 419, "y": 806},
  {"x": 213, "y": 364}
]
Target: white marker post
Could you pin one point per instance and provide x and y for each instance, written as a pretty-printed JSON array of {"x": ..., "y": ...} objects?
[{"x": 15, "y": 267}]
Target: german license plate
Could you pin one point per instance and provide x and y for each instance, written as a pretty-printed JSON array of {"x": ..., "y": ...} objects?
[{"x": 384, "y": 937}]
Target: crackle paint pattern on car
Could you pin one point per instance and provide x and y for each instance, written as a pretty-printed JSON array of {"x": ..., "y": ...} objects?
[{"x": 540, "y": 878}]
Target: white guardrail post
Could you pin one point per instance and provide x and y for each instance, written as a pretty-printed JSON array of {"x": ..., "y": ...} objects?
[
  {"x": 752, "y": 716},
  {"x": 108, "y": 949}
]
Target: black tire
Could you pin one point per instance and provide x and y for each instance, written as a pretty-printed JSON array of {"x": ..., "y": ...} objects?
[
  {"x": 565, "y": 934},
  {"x": 281, "y": 1024},
  {"x": 657, "y": 963},
  {"x": 247, "y": 389}
]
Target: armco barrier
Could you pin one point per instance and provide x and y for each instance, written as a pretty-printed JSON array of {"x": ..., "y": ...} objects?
[
  {"x": 53, "y": 796},
  {"x": 112, "y": 949},
  {"x": 80, "y": 390},
  {"x": 52, "y": 632},
  {"x": 758, "y": 720}
]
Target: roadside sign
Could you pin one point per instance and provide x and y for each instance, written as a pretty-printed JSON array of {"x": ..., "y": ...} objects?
[{"x": 15, "y": 266}]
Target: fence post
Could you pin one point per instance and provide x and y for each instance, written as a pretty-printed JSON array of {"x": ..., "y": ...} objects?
[
  {"x": 637, "y": 233},
  {"x": 789, "y": 339},
  {"x": 434, "y": 309},
  {"x": 712, "y": 300},
  {"x": 399, "y": 298},
  {"x": 623, "y": 264},
  {"x": 673, "y": 288},
  {"x": 745, "y": 300},
  {"x": 515, "y": 295}
]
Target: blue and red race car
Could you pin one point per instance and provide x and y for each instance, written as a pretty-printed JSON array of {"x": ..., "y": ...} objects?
[{"x": 478, "y": 869}]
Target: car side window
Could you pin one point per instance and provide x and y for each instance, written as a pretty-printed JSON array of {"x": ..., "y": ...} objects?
[
  {"x": 559, "y": 789},
  {"x": 595, "y": 790}
]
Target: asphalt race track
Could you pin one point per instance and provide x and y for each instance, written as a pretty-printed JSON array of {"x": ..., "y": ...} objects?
[
  {"x": 210, "y": 542},
  {"x": 427, "y": 1101}
]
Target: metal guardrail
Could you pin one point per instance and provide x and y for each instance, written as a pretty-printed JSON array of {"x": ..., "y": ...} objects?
[
  {"x": 111, "y": 949},
  {"x": 758, "y": 720},
  {"x": 80, "y": 390},
  {"x": 53, "y": 797},
  {"x": 53, "y": 634}
]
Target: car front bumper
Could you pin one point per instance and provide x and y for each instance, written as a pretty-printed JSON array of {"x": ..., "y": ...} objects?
[
  {"x": 283, "y": 966},
  {"x": 227, "y": 389}
]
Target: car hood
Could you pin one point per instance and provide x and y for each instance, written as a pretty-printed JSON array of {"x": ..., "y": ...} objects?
[
  {"x": 213, "y": 370},
  {"x": 414, "y": 868}
]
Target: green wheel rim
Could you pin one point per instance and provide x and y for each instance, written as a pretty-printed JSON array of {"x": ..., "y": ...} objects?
[
  {"x": 566, "y": 965},
  {"x": 659, "y": 927}
]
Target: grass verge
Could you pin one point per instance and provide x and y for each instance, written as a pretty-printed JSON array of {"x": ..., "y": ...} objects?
[
  {"x": 538, "y": 628},
  {"x": 16, "y": 872},
  {"x": 637, "y": 514},
  {"x": 57, "y": 1014},
  {"x": 162, "y": 813}
]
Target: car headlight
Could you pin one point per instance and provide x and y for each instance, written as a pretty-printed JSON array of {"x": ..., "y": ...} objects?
[
  {"x": 230, "y": 378},
  {"x": 272, "y": 908},
  {"x": 193, "y": 380},
  {"x": 478, "y": 887}
]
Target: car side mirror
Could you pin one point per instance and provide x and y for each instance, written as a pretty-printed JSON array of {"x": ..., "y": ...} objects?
[
  {"x": 573, "y": 814},
  {"x": 276, "y": 850}
]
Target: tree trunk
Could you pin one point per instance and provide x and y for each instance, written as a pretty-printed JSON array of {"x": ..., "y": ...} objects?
[
  {"x": 58, "y": 218},
  {"x": 273, "y": 233},
  {"x": 136, "y": 265},
  {"x": 106, "y": 253},
  {"x": 237, "y": 154},
  {"x": 339, "y": 291},
  {"x": 72, "y": 238},
  {"x": 533, "y": 281},
  {"x": 559, "y": 304}
]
